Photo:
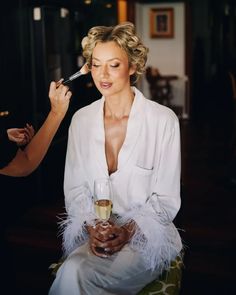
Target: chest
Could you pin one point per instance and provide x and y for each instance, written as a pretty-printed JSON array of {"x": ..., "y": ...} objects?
[{"x": 115, "y": 133}]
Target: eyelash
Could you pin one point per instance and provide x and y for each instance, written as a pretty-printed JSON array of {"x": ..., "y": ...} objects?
[{"x": 112, "y": 66}]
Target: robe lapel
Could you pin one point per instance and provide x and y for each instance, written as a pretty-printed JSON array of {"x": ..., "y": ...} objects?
[
  {"x": 99, "y": 139},
  {"x": 134, "y": 126}
]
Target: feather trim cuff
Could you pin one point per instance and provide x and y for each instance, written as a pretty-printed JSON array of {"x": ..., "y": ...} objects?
[
  {"x": 73, "y": 226},
  {"x": 158, "y": 242}
]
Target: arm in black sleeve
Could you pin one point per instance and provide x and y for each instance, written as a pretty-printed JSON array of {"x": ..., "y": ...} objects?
[{"x": 8, "y": 149}]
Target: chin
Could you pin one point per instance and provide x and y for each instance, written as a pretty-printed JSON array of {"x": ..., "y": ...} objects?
[{"x": 106, "y": 92}]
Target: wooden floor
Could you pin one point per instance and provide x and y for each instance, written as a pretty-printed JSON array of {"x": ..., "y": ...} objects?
[{"x": 207, "y": 220}]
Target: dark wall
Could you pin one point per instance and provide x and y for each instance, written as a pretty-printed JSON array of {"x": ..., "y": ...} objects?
[
  {"x": 214, "y": 56},
  {"x": 34, "y": 52}
]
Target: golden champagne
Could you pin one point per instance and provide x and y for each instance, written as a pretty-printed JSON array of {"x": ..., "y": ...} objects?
[{"x": 103, "y": 209}]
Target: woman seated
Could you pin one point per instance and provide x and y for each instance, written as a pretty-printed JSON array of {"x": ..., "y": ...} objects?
[{"x": 134, "y": 143}]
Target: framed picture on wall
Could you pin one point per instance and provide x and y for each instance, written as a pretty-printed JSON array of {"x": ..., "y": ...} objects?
[{"x": 162, "y": 22}]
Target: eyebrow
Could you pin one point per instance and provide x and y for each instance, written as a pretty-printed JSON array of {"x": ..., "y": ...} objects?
[{"x": 111, "y": 59}]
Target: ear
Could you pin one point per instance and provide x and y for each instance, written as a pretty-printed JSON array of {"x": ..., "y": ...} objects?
[{"x": 132, "y": 69}]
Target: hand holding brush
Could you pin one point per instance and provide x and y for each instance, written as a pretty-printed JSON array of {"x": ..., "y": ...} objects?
[{"x": 83, "y": 71}]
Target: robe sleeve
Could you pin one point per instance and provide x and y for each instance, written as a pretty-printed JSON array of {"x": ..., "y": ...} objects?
[
  {"x": 156, "y": 237},
  {"x": 78, "y": 196}
]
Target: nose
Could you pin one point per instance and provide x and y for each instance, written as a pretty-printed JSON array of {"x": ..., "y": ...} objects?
[{"x": 104, "y": 71}]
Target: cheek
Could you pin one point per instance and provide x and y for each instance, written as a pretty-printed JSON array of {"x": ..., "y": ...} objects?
[
  {"x": 122, "y": 75},
  {"x": 94, "y": 75},
  {"x": 113, "y": 74}
]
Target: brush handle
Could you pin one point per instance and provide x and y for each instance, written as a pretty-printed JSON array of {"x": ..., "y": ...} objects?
[
  {"x": 66, "y": 82},
  {"x": 71, "y": 78},
  {"x": 74, "y": 76}
]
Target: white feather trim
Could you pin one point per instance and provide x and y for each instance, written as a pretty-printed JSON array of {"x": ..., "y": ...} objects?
[
  {"x": 159, "y": 242},
  {"x": 156, "y": 237},
  {"x": 79, "y": 213}
]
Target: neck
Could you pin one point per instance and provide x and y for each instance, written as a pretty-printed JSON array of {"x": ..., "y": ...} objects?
[{"x": 118, "y": 107}]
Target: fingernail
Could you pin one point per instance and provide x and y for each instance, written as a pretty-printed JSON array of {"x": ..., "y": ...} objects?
[{"x": 104, "y": 256}]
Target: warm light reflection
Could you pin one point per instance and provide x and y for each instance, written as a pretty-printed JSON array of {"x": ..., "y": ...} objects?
[
  {"x": 122, "y": 11},
  {"x": 3, "y": 114}
]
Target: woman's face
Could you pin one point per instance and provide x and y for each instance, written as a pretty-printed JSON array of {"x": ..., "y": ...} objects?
[{"x": 110, "y": 68}]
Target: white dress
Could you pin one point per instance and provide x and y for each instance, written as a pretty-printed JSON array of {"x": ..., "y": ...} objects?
[{"x": 146, "y": 189}]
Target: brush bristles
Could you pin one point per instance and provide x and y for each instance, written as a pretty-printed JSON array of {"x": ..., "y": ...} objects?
[{"x": 84, "y": 70}]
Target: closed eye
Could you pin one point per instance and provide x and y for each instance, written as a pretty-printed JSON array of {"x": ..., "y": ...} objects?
[{"x": 115, "y": 65}]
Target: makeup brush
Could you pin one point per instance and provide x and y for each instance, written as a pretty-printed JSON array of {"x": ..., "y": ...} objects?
[{"x": 83, "y": 71}]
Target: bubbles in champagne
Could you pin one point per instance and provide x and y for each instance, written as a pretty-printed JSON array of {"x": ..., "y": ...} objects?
[{"x": 103, "y": 208}]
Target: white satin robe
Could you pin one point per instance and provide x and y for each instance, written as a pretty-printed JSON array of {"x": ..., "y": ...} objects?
[{"x": 146, "y": 189}]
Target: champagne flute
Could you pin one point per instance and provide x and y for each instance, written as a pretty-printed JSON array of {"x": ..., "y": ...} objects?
[{"x": 103, "y": 200}]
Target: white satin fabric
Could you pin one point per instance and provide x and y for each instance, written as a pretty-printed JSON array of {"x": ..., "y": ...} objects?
[
  {"x": 146, "y": 189},
  {"x": 83, "y": 273}
]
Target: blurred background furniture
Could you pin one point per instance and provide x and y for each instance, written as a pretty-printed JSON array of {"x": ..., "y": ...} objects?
[{"x": 160, "y": 86}]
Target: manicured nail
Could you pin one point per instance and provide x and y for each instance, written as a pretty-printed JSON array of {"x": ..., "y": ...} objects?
[{"x": 104, "y": 256}]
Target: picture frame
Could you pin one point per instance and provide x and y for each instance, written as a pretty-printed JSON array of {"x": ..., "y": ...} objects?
[{"x": 162, "y": 22}]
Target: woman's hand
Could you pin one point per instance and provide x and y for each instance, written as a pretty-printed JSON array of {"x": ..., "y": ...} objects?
[
  {"x": 105, "y": 241},
  {"x": 59, "y": 97},
  {"x": 21, "y": 136}
]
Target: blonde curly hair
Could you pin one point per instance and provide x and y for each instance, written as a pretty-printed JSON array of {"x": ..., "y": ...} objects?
[{"x": 125, "y": 36}]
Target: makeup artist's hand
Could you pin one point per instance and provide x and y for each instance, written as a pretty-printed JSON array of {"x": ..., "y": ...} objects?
[
  {"x": 59, "y": 98},
  {"x": 21, "y": 136}
]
